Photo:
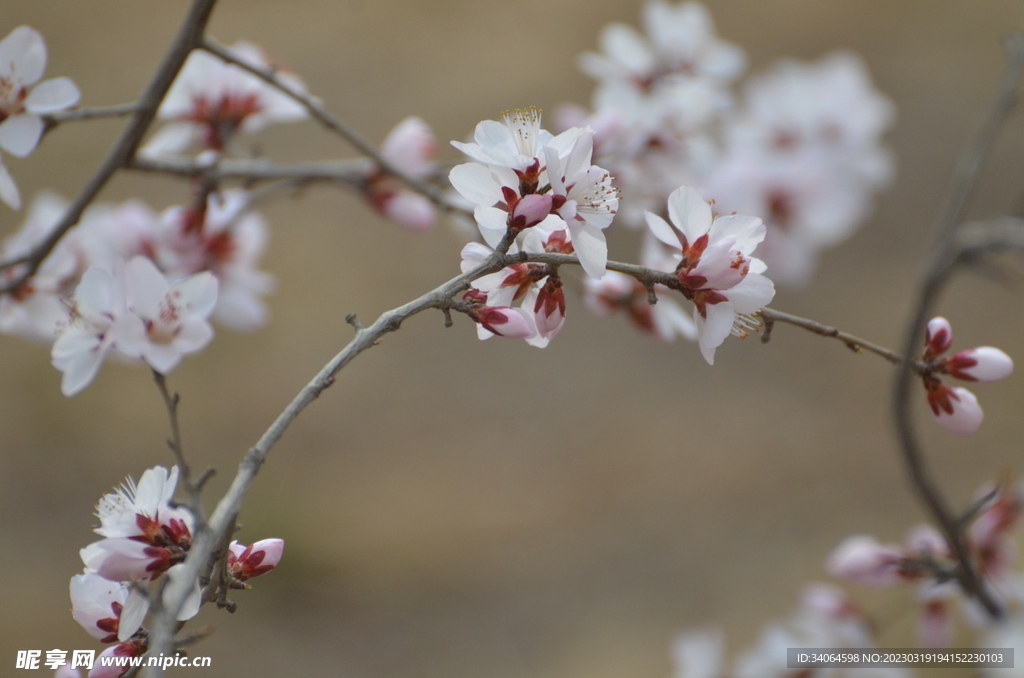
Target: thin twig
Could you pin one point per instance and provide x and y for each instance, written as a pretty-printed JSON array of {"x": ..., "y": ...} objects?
[
  {"x": 51, "y": 120},
  {"x": 174, "y": 443},
  {"x": 188, "y": 37},
  {"x": 855, "y": 344},
  {"x": 347, "y": 171},
  {"x": 269, "y": 75},
  {"x": 944, "y": 259}
]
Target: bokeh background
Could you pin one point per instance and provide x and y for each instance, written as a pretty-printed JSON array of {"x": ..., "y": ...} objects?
[{"x": 462, "y": 508}]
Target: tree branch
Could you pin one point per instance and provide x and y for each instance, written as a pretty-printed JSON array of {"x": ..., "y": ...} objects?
[
  {"x": 946, "y": 255},
  {"x": 189, "y": 37}
]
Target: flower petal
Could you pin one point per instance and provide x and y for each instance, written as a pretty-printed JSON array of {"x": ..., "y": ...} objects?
[
  {"x": 19, "y": 134},
  {"x": 23, "y": 56},
  {"x": 52, "y": 95},
  {"x": 690, "y": 213}
]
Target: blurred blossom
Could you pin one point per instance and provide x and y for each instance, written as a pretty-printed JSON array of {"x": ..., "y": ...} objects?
[{"x": 210, "y": 102}]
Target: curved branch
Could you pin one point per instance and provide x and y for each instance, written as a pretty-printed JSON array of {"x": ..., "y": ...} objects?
[{"x": 946, "y": 255}]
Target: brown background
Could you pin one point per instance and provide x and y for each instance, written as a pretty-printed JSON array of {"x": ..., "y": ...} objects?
[{"x": 456, "y": 508}]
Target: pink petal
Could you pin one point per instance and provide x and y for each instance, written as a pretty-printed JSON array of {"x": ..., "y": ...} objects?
[
  {"x": 985, "y": 363},
  {"x": 862, "y": 559},
  {"x": 411, "y": 210}
]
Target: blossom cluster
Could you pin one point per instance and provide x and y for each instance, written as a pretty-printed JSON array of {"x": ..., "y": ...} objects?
[
  {"x": 925, "y": 560},
  {"x": 146, "y": 536},
  {"x": 144, "y": 283},
  {"x": 801, "y": 149},
  {"x": 956, "y": 409},
  {"x": 536, "y": 192}
]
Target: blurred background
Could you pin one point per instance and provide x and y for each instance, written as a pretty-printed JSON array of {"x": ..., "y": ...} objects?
[{"x": 462, "y": 508}]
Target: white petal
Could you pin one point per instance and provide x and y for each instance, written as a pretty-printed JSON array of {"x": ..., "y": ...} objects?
[
  {"x": 591, "y": 248},
  {"x": 146, "y": 287},
  {"x": 662, "y": 231},
  {"x": 476, "y": 183},
  {"x": 748, "y": 231},
  {"x": 689, "y": 212},
  {"x": 193, "y": 335},
  {"x": 9, "y": 189},
  {"x": 753, "y": 293},
  {"x": 713, "y": 331},
  {"x": 52, "y": 95},
  {"x": 96, "y": 291},
  {"x": 162, "y": 357},
  {"x": 19, "y": 134},
  {"x": 23, "y": 55},
  {"x": 197, "y": 293},
  {"x": 133, "y": 613},
  {"x": 80, "y": 371},
  {"x": 493, "y": 224}
]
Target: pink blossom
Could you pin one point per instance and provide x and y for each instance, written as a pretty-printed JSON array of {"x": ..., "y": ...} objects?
[
  {"x": 22, "y": 101},
  {"x": 97, "y": 604},
  {"x": 516, "y": 162},
  {"x": 410, "y": 148},
  {"x": 101, "y": 320},
  {"x": 211, "y": 101},
  {"x": 246, "y": 562},
  {"x": 714, "y": 264},
  {"x": 174, "y": 315}
]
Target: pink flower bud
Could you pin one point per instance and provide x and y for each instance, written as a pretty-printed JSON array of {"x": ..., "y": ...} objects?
[
  {"x": 511, "y": 323},
  {"x": 411, "y": 147},
  {"x": 246, "y": 562},
  {"x": 862, "y": 559},
  {"x": 985, "y": 363},
  {"x": 530, "y": 210},
  {"x": 925, "y": 540},
  {"x": 939, "y": 336},
  {"x": 549, "y": 310},
  {"x": 956, "y": 409},
  {"x": 409, "y": 209}
]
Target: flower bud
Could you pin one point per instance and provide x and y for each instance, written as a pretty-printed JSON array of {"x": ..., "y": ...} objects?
[
  {"x": 985, "y": 363},
  {"x": 409, "y": 209},
  {"x": 956, "y": 409},
  {"x": 246, "y": 562},
  {"x": 530, "y": 210},
  {"x": 511, "y": 323},
  {"x": 939, "y": 336},
  {"x": 862, "y": 559}
]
